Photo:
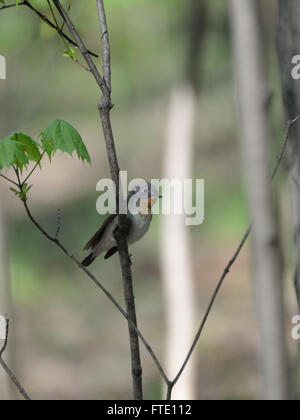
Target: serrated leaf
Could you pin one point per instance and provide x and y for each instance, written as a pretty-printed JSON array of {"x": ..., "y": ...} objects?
[
  {"x": 18, "y": 149},
  {"x": 60, "y": 135},
  {"x": 11, "y": 153},
  {"x": 31, "y": 147}
]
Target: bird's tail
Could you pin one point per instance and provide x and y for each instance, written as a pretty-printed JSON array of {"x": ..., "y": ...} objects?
[{"x": 88, "y": 260}]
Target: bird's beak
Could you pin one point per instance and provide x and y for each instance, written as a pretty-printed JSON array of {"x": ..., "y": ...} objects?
[{"x": 160, "y": 196}]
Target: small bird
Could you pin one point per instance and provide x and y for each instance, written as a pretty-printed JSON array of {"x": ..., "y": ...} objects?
[{"x": 144, "y": 197}]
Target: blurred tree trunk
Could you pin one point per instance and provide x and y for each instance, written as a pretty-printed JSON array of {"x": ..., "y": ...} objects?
[
  {"x": 267, "y": 259},
  {"x": 175, "y": 242},
  {"x": 175, "y": 246},
  {"x": 288, "y": 45}
]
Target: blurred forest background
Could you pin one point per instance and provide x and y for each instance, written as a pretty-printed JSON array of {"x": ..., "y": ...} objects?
[{"x": 67, "y": 341}]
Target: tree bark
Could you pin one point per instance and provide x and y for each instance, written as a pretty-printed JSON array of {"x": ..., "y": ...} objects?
[
  {"x": 288, "y": 45},
  {"x": 267, "y": 260}
]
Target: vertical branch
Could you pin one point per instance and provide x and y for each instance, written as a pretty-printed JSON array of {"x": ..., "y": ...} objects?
[
  {"x": 121, "y": 232},
  {"x": 104, "y": 44},
  {"x": 105, "y": 107}
]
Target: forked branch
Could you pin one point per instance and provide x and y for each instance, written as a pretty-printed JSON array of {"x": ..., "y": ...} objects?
[{"x": 46, "y": 20}]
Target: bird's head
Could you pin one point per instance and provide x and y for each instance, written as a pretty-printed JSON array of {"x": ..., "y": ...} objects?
[{"x": 143, "y": 197}]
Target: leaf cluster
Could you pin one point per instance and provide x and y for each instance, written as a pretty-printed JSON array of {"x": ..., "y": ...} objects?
[{"x": 19, "y": 150}]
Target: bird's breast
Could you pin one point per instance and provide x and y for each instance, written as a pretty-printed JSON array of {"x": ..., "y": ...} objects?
[{"x": 140, "y": 224}]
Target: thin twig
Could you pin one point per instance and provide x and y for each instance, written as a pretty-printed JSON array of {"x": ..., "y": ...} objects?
[
  {"x": 227, "y": 269},
  {"x": 58, "y": 223},
  {"x": 82, "y": 48},
  {"x": 9, "y": 180},
  {"x": 8, "y": 6},
  {"x": 81, "y": 65},
  {"x": 286, "y": 138},
  {"x": 8, "y": 370},
  {"x": 34, "y": 168},
  {"x": 72, "y": 57},
  {"x": 46, "y": 20},
  {"x": 68, "y": 11}
]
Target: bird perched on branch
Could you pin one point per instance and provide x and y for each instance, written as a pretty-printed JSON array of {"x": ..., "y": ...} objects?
[{"x": 139, "y": 204}]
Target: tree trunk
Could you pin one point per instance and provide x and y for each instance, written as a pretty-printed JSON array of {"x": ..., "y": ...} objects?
[
  {"x": 176, "y": 259},
  {"x": 288, "y": 45},
  {"x": 176, "y": 252},
  {"x": 267, "y": 260}
]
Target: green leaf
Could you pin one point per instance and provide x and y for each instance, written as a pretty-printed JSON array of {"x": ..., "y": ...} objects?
[
  {"x": 70, "y": 52},
  {"x": 22, "y": 194},
  {"x": 15, "y": 191},
  {"x": 60, "y": 135},
  {"x": 18, "y": 149},
  {"x": 30, "y": 146}
]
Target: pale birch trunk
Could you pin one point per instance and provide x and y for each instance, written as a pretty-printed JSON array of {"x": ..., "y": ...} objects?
[
  {"x": 267, "y": 261},
  {"x": 176, "y": 255},
  {"x": 176, "y": 261}
]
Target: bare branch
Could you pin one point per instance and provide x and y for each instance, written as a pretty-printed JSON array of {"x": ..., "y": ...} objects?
[
  {"x": 46, "y": 20},
  {"x": 7, "y": 369},
  {"x": 8, "y": 6},
  {"x": 58, "y": 223},
  {"x": 82, "y": 48},
  {"x": 104, "y": 44},
  {"x": 286, "y": 139},
  {"x": 34, "y": 168},
  {"x": 8, "y": 179},
  {"x": 227, "y": 269}
]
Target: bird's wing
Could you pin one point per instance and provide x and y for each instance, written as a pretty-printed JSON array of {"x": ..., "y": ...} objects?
[{"x": 93, "y": 242}]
